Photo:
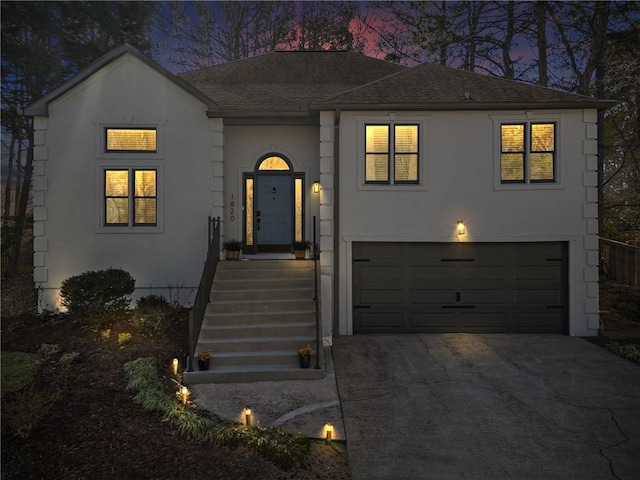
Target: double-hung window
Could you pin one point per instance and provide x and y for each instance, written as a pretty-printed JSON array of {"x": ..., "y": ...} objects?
[
  {"x": 391, "y": 153},
  {"x": 130, "y": 197},
  {"x": 528, "y": 153}
]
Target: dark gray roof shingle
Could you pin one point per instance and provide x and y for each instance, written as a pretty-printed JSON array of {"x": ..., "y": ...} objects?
[
  {"x": 295, "y": 81},
  {"x": 286, "y": 80},
  {"x": 434, "y": 86}
]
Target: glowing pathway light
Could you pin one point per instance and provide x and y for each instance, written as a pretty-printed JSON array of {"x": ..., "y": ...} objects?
[
  {"x": 247, "y": 415},
  {"x": 174, "y": 366},
  {"x": 328, "y": 428},
  {"x": 184, "y": 393}
]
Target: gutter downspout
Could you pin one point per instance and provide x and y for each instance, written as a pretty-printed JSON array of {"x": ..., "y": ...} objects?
[{"x": 336, "y": 216}]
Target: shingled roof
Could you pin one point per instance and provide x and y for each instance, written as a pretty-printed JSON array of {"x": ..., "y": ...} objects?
[
  {"x": 286, "y": 81},
  {"x": 435, "y": 87},
  {"x": 298, "y": 83}
]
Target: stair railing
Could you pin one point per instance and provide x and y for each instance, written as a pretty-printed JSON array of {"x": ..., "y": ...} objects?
[
  {"x": 196, "y": 314},
  {"x": 316, "y": 258}
]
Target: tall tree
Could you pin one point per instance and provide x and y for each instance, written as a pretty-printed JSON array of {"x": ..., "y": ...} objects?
[
  {"x": 44, "y": 43},
  {"x": 621, "y": 183},
  {"x": 199, "y": 34},
  {"x": 324, "y": 25}
]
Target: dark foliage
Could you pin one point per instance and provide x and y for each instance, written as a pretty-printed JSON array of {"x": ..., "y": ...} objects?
[{"x": 98, "y": 296}]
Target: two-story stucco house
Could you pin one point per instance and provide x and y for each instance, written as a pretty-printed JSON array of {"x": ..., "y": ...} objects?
[{"x": 447, "y": 201}]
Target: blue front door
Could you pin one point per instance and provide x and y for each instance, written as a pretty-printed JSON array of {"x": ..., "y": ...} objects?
[{"x": 274, "y": 211}]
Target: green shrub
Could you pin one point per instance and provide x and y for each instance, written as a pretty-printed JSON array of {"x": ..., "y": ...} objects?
[
  {"x": 18, "y": 369},
  {"x": 24, "y": 409},
  {"x": 628, "y": 351},
  {"x": 68, "y": 358},
  {"x": 151, "y": 315},
  {"x": 98, "y": 296},
  {"x": 282, "y": 448},
  {"x": 48, "y": 349}
]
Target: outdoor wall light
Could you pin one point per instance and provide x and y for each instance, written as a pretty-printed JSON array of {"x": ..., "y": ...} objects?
[
  {"x": 316, "y": 187},
  {"x": 184, "y": 392},
  {"x": 174, "y": 366},
  {"x": 460, "y": 228},
  {"x": 247, "y": 415},
  {"x": 328, "y": 428}
]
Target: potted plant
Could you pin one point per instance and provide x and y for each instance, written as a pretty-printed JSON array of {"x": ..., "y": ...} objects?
[
  {"x": 300, "y": 249},
  {"x": 233, "y": 248},
  {"x": 304, "y": 356},
  {"x": 204, "y": 358}
]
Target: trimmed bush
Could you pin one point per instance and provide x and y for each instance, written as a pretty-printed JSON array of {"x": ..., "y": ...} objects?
[
  {"x": 98, "y": 296},
  {"x": 151, "y": 315}
]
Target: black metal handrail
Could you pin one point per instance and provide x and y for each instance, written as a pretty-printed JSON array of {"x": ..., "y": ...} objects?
[
  {"x": 196, "y": 314},
  {"x": 316, "y": 257}
]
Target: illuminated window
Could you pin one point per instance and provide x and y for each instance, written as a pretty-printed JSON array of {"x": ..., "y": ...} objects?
[
  {"x": 273, "y": 163},
  {"x": 528, "y": 153},
  {"x": 248, "y": 202},
  {"x": 391, "y": 152},
  {"x": 298, "y": 210},
  {"x": 131, "y": 140},
  {"x": 130, "y": 197}
]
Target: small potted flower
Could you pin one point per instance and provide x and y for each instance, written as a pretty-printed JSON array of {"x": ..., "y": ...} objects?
[
  {"x": 204, "y": 358},
  {"x": 300, "y": 249},
  {"x": 233, "y": 248},
  {"x": 304, "y": 356}
]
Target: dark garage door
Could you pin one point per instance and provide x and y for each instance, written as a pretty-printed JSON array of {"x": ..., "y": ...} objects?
[{"x": 459, "y": 287}]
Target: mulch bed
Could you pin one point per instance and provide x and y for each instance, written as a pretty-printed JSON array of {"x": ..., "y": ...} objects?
[{"x": 96, "y": 431}]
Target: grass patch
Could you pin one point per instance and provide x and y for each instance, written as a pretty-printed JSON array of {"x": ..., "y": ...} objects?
[
  {"x": 18, "y": 369},
  {"x": 628, "y": 351},
  {"x": 282, "y": 448}
]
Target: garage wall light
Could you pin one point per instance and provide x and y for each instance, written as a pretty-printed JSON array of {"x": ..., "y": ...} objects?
[
  {"x": 460, "y": 228},
  {"x": 316, "y": 187}
]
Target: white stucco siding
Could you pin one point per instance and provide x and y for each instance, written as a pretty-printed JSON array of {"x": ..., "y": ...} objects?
[
  {"x": 125, "y": 93},
  {"x": 246, "y": 145},
  {"x": 459, "y": 164}
]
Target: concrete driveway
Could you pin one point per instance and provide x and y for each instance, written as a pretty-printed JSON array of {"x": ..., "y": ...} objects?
[{"x": 487, "y": 407}]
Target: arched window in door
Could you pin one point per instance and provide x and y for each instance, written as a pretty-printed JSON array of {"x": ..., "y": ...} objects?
[{"x": 274, "y": 163}]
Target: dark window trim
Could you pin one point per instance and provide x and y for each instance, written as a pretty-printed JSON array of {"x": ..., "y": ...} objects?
[
  {"x": 112, "y": 127},
  {"x": 391, "y": 154},
  {"x": 131, "y": 197},
  {"x": 417, "y": 153},
  {"x": 387, "y": 153},
  {"x": 527, "y": 151}
]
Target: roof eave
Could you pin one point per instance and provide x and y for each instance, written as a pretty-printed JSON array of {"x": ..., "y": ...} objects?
[
  {"x": 467, "y": 105},
  {"x": 222, "y": 113},
  {"x": 41, "y": 106}
]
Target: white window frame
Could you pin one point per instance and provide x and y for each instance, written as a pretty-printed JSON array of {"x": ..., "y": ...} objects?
[
  {"x": 392, "y": 119},
  {"x": 527, "y": 119}
]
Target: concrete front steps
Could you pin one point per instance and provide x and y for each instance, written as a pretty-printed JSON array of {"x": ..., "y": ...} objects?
[{"x": 261, "y": 312}]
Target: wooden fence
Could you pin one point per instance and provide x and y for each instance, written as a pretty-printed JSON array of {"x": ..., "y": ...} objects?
[{"x": 620, "y": 262}]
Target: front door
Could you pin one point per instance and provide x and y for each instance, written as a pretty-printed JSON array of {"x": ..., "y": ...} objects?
[{"x": 274, "y": 212}]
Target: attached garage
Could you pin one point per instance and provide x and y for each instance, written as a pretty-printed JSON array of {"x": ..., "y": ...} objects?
[{"x": 460, "y": 287}]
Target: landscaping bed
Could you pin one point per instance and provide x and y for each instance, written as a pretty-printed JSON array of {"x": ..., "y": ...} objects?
[{"x": 89, "y": 425}]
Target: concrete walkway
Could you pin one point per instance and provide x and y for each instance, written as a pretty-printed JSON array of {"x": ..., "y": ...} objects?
[
  {"x": 487, "y": 407},
  {"x": 295, "y": 406}
]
